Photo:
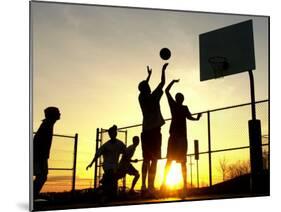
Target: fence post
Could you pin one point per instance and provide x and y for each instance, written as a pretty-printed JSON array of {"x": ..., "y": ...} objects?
[
  {"x": 209, "y": 149},
  {"x": 124, "y": 179},
  {"x": 196, "y": 157},
  {"x": 74, "y": 162},
  {"x": 96, "y": 164},
  {"x": 191, "y": 185},
  {"x": 255, "y": 140}
]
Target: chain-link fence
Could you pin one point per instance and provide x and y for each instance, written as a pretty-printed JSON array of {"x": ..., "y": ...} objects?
[{"x": 223, "y": 146}]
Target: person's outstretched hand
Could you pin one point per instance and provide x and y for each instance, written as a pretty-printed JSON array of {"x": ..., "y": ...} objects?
[
  {"x": 177, "y": 80},
  {"x": 149, "y": 70},
  {"x": 165, "y": 66},
  {"x": 89, "y": 166}
]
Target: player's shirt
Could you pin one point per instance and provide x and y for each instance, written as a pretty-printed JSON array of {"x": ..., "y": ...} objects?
[
  {"x": 126, "y": 158},
  {"x": 42, "y": 140},
  {"x": 111, "y": 152},
  {"x": 150, "y": 107},
  {"x": 179, "y": 114}
]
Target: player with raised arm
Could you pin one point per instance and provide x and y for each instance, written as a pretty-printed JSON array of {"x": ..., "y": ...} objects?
[
  {"x": 151, "y": 127},
  {"x": 177, "y": 144}
]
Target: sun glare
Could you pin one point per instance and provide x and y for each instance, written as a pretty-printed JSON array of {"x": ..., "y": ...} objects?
[{"x": 174, "y": 177}]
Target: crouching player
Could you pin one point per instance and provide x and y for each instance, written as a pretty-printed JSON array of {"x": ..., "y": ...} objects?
[{"x": 125, "y": 166}]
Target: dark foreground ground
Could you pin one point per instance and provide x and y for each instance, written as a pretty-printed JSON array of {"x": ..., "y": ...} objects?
[{"x": 235, "y": 188}]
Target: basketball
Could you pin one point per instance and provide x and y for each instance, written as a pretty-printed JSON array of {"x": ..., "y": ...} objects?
[{"x": 165, "y": 53}]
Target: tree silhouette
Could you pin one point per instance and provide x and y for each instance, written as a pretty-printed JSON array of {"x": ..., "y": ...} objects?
[
  {"x": 223, "y": 167},
  {"x": 237, "y": 169}
]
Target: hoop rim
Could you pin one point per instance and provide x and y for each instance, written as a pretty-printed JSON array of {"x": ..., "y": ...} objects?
[{"x": 219, "y": 64}]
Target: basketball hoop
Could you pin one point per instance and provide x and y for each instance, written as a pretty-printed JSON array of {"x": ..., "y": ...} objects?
[{"x": 219, "y": 65}]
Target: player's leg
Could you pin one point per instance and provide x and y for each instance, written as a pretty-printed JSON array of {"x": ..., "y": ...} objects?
[
  {"x": 135, "y": 180},
  {"x": 145, "y": 140},
  {"x": 38, "y": 183},
  {"x": 151, "y": 174},
  {"x": 132, "y": 171},
  {"x": 155, "y": 148},
  {"x": 184, "y": 174},
  {"x": 182, "y": 154},
  {"x": 114, "y": 184},
  {"x": 41, "y": 176},
  {"x": 144, "y": 170},
  {"x": 109, "y": 185}
]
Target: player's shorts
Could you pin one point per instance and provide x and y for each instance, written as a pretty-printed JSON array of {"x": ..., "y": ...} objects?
[
  {"x": 130, "y": 170},
  {"x": 151, "y": 144},
  {"x": 40, "y": 166},
  {"x": 177, "y": 148}
]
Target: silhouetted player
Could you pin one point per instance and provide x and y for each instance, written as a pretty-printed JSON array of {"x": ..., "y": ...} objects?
[
  {"x": 42, "y": 142},
  {"x": 125, "y": 166},
  {"x": 151, "y": 127},
  {"x": 177, "y": 144},
  {"x": 111, "y": 151}
]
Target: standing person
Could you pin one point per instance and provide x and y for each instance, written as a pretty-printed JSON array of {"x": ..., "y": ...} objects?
[
  {"x": 42, "y": 142},
  {"x": 111, "y": 151},
  {"x": 177, "y": 144},
  {"x": 151, "y": 127},
  {"x": 125, "y": 166}
]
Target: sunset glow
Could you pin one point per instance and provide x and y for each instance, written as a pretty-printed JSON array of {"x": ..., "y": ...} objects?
[
  {"x": 174, "y": 177},
  {"x": 88, "y": 61}
]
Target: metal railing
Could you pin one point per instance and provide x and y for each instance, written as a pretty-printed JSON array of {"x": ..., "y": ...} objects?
[
  {"x": 72, "y": 169},
  {"x": 210, "y": 151}
]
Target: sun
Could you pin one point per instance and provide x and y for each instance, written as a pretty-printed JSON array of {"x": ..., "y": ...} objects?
[{"x": 174, "y": 177}]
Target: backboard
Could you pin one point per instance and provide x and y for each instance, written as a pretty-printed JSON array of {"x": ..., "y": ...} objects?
[{"x": 230, "y": 49}]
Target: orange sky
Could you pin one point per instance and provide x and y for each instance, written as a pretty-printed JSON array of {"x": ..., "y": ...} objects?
[{"x": 88, "y": 62}]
